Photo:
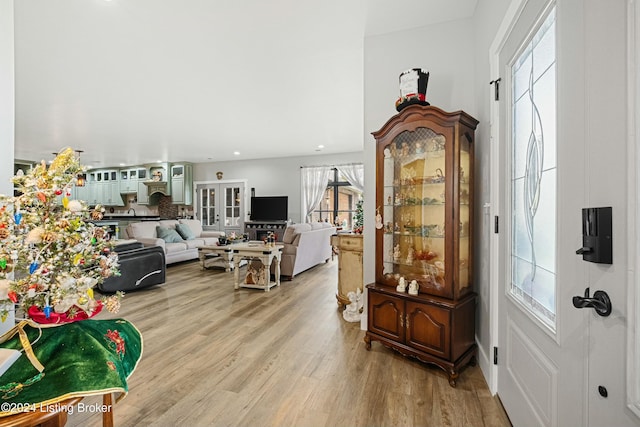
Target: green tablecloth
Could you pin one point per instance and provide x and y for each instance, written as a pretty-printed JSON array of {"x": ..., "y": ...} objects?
[{"x": 84, "y": 358}]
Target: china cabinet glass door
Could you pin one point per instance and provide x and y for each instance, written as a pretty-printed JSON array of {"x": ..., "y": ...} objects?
[
  {"x": 463, "y": 250},
  {"x": 415, "y": 202},
  {"x": 425, "y": 201}
]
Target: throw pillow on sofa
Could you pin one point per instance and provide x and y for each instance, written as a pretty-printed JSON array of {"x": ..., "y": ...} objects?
[
  {"x": 185, "y": 232},
  {"x": 169, "y": 235}
]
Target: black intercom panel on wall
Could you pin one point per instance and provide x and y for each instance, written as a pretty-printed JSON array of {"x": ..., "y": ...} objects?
[{"x": 597, "y": 240}]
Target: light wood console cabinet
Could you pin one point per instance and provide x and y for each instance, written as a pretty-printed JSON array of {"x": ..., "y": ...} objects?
[
  {"x": 350, "y": 274},
  {"x": 424, "y": 200}
]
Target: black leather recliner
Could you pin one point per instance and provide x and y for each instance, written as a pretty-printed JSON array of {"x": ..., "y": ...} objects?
[{"x": 140, "y": 267}]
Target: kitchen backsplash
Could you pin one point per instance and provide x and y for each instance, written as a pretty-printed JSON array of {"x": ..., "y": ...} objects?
[{"x": 164, "y": 209}]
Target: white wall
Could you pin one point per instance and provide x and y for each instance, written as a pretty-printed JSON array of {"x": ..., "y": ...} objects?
[
  {"x": 7, "y": 114},
  {"x": 272, "y": 177}
]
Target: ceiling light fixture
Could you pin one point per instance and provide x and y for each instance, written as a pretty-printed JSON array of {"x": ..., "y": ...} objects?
[
  {"x": 81, "y": 178},
  {"x": 236, "y": 153}
]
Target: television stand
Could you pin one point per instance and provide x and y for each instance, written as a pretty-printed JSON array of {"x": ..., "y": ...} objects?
[{"x": 258, "y": 230}]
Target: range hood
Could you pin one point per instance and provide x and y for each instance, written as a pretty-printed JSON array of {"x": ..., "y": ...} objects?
[{"x": 157, "y": 187}]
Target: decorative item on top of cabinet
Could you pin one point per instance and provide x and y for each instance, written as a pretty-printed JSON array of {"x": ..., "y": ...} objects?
[
  {"x": 350, "y": 273},
  {"x": 158, "y": 180},
  {"x": 424, "y": 184}
]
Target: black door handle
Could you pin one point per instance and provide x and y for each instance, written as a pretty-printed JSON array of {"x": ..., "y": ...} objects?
[
  {"x": 584, "y": 250},
  {"x": 600, "y": 302}
]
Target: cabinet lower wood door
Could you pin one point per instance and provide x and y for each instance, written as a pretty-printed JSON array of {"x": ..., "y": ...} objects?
[
  {"x": 386, "y": 316},
  {"x": 429, "y": 328},
  {"x": 436, "y": 331}
]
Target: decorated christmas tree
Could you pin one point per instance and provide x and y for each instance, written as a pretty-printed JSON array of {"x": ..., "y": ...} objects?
[
  {"x": 358, "y": 217},
  {"x": 51, "y": 256}
]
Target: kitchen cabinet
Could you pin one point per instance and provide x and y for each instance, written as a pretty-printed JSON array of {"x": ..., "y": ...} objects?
[
  {"x": 82, "y": 193},
  {"x": 424, "y": 230},
  {"x": 182, "y": 184},
  {"x": 112, "y": 196},
  {"x": 129, "y": 179},
  {"x": 22, "y": 167},
  {"x": 94, "y": 188},
  {"x": 143, "y": 193},
  {"x": 96, "y": 193},
  {"x": 104, "y": 188}
]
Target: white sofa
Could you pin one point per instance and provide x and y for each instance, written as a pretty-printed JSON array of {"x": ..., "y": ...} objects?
[
  {"x": 145, "y": 232},
  {"x": 305, "y": 245}
]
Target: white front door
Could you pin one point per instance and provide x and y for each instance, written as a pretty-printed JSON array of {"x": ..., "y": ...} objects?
[
  {"x": 221, "y": 206},
  {"x": 562, "y": 138}
]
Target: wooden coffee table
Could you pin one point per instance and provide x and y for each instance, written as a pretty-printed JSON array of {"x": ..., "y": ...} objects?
[
  {"x": 266, "y": 254},
  {"x": 224, "y": 256}
]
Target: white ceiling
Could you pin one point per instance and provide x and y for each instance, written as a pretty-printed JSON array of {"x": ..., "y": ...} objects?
[{"x": 136, "y": 81}]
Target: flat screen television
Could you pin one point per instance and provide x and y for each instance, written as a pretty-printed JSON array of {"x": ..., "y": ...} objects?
[{"x": 269, "y": 208}]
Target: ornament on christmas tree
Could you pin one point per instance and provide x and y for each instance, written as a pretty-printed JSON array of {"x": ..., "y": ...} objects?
[{"x": 57, "y": 255}]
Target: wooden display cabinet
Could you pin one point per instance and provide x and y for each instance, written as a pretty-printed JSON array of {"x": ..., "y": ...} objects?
[{"x": 424, "y": 200}]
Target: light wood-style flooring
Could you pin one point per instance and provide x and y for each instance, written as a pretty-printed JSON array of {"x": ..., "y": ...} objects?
[{"x": 214, "y": 356}]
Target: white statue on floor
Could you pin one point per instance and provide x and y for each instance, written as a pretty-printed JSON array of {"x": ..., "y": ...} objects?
[{"x": 352, "y": 312}]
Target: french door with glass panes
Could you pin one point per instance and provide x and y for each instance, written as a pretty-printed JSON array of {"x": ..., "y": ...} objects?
[{"x": 221, "y": 207}]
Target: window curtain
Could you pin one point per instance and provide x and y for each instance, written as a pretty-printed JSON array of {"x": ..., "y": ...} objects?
[
  {"x": 314, "y": 183},
  {"x": 354, "y": 173}
]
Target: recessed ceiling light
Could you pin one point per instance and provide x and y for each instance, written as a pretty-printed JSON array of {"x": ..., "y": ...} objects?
[
  {"x": 321, "y": 146},
  {"x": 158, "y": 161},
  {"x": 121, "y": 164},
  {"x": 236, "y": 153}
]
